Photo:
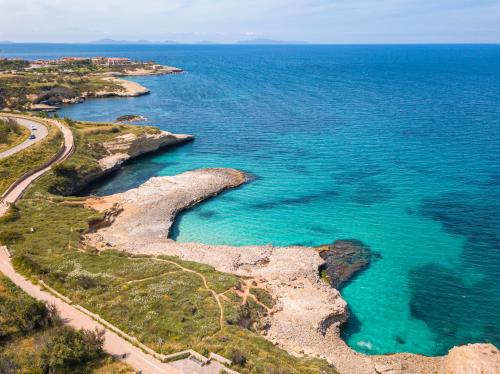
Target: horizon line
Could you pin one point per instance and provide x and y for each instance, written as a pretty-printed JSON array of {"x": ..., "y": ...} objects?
[{"x": 243, "y": 43}]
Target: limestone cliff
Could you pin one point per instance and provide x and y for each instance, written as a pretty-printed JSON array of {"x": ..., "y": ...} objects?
[{"x": 128, "y": 146}]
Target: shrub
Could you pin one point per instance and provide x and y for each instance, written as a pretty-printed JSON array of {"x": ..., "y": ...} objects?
[
  {"x": 28, "y": 314},
  {"x": 238, "y": 358},
  {"x": 27, "y": 264},
  {"x": 11, "y": 215},
  {"x": 8, "y": 237},
  {"x": 67, "y": 348}
]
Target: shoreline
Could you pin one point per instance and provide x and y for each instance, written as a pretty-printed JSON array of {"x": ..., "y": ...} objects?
[
  {"x": 309, "y": 313},
  {"x": 357, "y": 362}
]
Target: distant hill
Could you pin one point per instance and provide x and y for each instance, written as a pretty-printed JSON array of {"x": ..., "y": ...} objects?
[
  {"x": 206, "y": 42},
  {"x": 268, "y": 41},
  {"x": 113, "y": 41},
  {"x": 6, "y": 42}
]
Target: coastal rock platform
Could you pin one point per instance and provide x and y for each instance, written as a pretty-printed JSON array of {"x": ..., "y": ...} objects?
[{"x": 308, "y": 312}]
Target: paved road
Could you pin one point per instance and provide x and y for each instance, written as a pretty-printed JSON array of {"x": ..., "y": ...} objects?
[
  {"x": 40, "y": 133},
  {"x": 114, "y": 344},
  {"x": 17, "y": 192}
]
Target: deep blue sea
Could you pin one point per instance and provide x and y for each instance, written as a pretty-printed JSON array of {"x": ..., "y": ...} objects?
[{"x": 397, "y": 146}]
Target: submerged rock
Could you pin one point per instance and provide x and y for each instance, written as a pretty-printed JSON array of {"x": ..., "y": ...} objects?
[{"x": 343, "y": 259}]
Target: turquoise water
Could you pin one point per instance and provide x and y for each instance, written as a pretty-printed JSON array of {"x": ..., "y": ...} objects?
[{"x": 397, "y": 146}]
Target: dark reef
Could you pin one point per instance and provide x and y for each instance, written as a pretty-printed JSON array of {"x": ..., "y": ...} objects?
[{"x": 343, "y": 259}]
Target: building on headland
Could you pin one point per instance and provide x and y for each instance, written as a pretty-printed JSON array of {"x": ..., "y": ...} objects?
[{"x": 98, "y": 60}]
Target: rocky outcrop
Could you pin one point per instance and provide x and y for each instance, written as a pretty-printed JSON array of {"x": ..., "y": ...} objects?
[
  {"x": 153, "y": 70},
  {"x": 472, "y": 359},
  {"x": 343, "y": 259},
  {"x": 130, "y": 118},
  {"x": 123, "y": 88},
  {"x": 129, "y": 146}
]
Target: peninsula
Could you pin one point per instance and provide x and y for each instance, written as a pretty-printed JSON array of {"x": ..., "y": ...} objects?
[{"x": 45, "y": 85}]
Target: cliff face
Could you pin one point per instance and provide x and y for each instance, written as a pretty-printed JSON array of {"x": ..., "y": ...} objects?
[{"x": 128, "y": 146}]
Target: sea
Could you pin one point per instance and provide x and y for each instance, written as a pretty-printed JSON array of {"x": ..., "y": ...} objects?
[{"x": 397, "y": 146}]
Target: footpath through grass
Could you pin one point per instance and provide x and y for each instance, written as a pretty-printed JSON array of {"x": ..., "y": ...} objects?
[{"x": 162, "y": 301}]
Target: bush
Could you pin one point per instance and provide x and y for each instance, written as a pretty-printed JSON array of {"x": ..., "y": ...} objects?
[
  {"x": 8, "y": 237},
  {"x": 238, "y": 358},
  {"x": 27, "y": 264},
  {"x": 67, "y": 348},
  {"x": 28, "y": 315},
  {"x": 11, "y": 215}
]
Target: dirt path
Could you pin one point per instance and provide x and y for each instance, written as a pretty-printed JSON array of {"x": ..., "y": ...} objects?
[{"x": 215, "y": 294}]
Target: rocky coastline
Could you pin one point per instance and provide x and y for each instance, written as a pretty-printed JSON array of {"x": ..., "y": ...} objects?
[
  {"x": 126, "y": 147},
  {"x": 308, "y": 312}
]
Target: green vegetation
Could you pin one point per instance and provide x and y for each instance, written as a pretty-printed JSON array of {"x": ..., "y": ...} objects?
[
  {"x": 89, "y": 139},
  {"x": 55, "y": 84},
  {"x": 11, "y": 134},
  {"x": 51, "y": 86},
  {"x": 163, "y": 301},
  {"x": 12, "y": 167},
  {"x": 10, "y": 64},
  {"x": 263, "y": 296},
  {"x": 34, "y": 340}
]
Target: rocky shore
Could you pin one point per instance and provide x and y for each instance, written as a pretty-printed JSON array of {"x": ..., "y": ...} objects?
[
  {"x": 308, "y": 312},
  {"x": 125, "y": 88},
  {"x": 128, "y": 146}
]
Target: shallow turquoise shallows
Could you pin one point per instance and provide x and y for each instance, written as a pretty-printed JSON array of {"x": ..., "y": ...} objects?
[{"x": 397, "y": 146}]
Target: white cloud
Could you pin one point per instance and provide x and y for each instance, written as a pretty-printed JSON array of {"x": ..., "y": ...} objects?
[{"x": 227, "y": 20}]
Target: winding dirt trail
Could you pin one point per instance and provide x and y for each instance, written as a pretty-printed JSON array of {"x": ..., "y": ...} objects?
[{"x": 205, "y": 282}]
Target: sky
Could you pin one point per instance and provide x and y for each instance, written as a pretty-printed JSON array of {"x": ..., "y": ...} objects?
[{"x": 313, "y": 21}]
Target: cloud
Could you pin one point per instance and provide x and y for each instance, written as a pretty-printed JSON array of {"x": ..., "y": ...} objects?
[{"x": 341, "y": 21}]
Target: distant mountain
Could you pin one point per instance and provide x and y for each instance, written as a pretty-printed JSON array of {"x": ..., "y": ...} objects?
[
  {"x": 206, "y": 42},
  {"x": 6, "y": 42},
  {"x": 268, "y": 41},
  {"x": 113, "y": 41}
]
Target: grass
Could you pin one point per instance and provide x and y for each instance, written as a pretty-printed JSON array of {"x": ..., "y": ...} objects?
[
  {"x": 15, "y": 138},
  {"x": 153, "y": 299},
  {"x": 23, "y": 87},
  {"x": 23, "y": 348},
  {"x": 263, "y": 296},
  {"x": 12, "y": 167},
  {"x": 18, "y": 91}
]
